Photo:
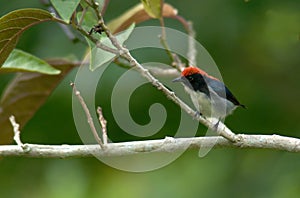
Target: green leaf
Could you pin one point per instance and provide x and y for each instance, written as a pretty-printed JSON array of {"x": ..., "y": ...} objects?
[
  {"x": 153, "y": 8},
  {"x": 25, "y": 94},
  {"x": 84, "y": 4},
  {"x": 13, "y": 24},
  {"x": 22, "y": 61},
  {"x": 65, "y": 8},
  {"x": 89, "y": 19},
  {"x": 99, "y": 56}
]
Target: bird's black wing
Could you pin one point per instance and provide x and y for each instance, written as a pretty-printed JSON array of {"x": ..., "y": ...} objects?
[{"x": 222, "y": 90}]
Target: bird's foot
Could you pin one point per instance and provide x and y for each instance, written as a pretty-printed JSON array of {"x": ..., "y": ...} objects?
[{"x": 217, "y": 124}]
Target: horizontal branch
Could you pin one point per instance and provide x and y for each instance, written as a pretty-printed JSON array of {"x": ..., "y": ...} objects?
[{"x": 168, "y": 145}]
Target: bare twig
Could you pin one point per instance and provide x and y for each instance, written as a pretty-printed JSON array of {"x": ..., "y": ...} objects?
[
  {"x": 82, "y": 16},
  {"x": 112, "y": 38},
  {"x": 105, "y": 4},
  {"x": 176, "y": 62},
  {"x": 192, "y": 52},
  {"x": 103, "y": 123},
  {"x": 156, "y": 71},
  {"x": 188, "y": 26},
  {"x": 17, "y": 133},
  {"x": 274, "y": 142},
  {"x": 96, "y": 41},
  {"x": 163, "y": 39},
  {"x": 64, "y": 27},
  {"x": 88, "y": 115}
]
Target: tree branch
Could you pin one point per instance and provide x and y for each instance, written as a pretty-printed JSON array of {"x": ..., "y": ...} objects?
[
  {"x": 166, "y": 145},
  {"x": 88, "y": 115},
  {"x": 16, "y": 129},
  {"x": 103, "y": 123}
]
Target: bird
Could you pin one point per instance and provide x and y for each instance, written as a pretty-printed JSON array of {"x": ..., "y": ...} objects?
[{"x": 210, "y": 96}]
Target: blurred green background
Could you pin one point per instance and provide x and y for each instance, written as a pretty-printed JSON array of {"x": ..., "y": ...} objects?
[{"x": 256, "y": 46}]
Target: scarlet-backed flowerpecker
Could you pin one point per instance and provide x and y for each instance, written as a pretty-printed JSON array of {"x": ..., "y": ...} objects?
[{"x": 210, "y": 96}]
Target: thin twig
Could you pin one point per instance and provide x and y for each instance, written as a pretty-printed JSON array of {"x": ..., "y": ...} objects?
[
  {"x": 176, "y": 62},
  {"x": 82, "y": 16},
  {"x": 192, "y": 52},
  {"x": 163, "y": 38},
  {"x": 105, "y": 4},
  {"x": 188, "y": 26},
  {"x": 64, "y": 27},
  {"x": 17, "y": 133},
  {"x": 88, "y": 115},
  {"x": 156, "y": 71},
  {"x": 103, "y": 123},
  {"x": 122, "y": 63},
  {"x": 273, "y": 142},
  {"x": 86, "y": 34},
  {"x": 96, "y": 41},
  {"x": 121, "y": 50}
]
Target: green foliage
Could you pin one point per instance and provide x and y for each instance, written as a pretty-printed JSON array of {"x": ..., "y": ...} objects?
[
  {"x": 20, "y": 61},
  {"x": 26, "y": 93},
  {"x": 99, "y": 56},
  {"x": 14, "y": 24},
  {"x": 65, "y": 8},
  {"x": 88, "y": 20}
]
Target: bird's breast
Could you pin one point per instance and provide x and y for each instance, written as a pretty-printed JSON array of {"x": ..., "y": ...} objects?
[{"x": 210, "y": 106}]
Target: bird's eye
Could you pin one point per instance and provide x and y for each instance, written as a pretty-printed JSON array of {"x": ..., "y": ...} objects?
[{"x": 190, "y": 78}]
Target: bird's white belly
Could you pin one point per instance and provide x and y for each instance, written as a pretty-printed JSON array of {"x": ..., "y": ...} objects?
[{"x": 215, "y": 106}]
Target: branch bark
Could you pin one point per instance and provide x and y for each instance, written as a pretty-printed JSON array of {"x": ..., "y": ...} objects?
[
  {"x": 166, "y": 145},
  {"x": 88, "y": 115}
]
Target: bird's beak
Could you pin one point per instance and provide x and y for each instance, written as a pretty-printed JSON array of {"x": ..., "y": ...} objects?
[{"x": 179, "y": 79}]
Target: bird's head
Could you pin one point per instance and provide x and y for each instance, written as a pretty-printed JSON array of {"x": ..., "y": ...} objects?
[
  {"x": 189, "y": 75},
  {"x": 198, "y": 80}
]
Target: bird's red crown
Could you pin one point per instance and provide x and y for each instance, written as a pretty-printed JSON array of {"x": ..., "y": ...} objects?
[{"x": 195, "y": 70}]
